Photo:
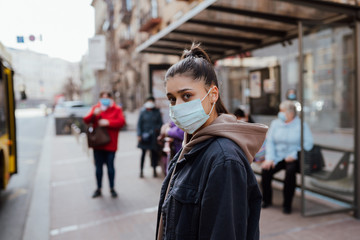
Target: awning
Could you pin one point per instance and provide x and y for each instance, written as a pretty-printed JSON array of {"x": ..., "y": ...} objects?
[{"x": 226, "y": 27}]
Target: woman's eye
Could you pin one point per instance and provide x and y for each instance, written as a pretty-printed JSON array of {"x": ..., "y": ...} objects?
[
  {"x": 172, "y": 100},
  {"x": 186, "y": 96}
]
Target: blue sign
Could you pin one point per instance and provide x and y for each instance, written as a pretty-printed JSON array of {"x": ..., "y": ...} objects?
[{"x": 20, "y": 39}]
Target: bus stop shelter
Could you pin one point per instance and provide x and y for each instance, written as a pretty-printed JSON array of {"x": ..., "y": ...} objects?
[{"x": 236, "y": 28}]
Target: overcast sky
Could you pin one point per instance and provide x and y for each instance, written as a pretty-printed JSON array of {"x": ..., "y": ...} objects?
[{"x": 65, "y": 26}]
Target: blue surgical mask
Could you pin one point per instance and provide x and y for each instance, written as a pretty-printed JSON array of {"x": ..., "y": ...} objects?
[
  {"x": 282, "y": 116},
  {"x": 291, "y": 96},
  {"x": 105, "y": 102},
  {"x": 190, "y": 116}
]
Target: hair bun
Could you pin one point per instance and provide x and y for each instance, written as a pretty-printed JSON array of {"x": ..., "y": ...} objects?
[{"x": 196, "y": 51}]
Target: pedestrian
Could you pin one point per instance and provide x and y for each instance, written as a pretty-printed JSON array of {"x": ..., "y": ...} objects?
[
  {"x": 106, "y": 114},
  {"x": 148, "y": 129},
  {"x": 282, "y": 147},
  {"x": 170, "y": 130},
  {"x": 171, "y": 138},
  {"x": 240, "y": 115},
  {"x": 211, "y": 191}
]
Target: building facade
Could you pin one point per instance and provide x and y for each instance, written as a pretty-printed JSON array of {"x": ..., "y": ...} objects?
[{"x": 42, "y": 77}]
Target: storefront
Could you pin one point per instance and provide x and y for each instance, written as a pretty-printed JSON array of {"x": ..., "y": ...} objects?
[{"x": 316, "y": 47}]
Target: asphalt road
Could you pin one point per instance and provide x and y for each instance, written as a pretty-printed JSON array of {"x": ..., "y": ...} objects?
[{"x": 15, "y": 199}]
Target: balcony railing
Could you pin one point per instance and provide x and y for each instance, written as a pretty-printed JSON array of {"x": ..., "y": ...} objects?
[
  {"x": 126, "y": 39},
  {"x": 126, "y": 43},
  {"x": 125, "y": 16},
  {"x": 149, "y": 21}
]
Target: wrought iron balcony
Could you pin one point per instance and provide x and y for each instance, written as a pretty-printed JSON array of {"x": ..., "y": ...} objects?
[
  {"x": 125, "y": 16},
  {"x": 126, "y": 41},
  {"x": 149, "y": 21}
]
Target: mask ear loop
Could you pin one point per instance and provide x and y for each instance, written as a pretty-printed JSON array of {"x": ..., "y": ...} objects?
[
  {"x": 213, "y": 105},
  {"x": 206, "y": 94},
  {"x": 212, "y": 108}
]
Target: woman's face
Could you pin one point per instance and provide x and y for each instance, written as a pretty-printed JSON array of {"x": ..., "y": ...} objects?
[
  {"x": 104, "y": 95},
  {"x": 181, "y": 89},
  {"x": 289, "y": 115}
]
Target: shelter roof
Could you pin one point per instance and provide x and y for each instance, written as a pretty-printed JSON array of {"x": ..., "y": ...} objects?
[{"x": 227, "y": 27}]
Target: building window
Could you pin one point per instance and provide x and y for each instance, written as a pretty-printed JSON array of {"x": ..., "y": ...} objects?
[
  {"x": 154, "y": 8},
  {"x": 128, "y": 5}
]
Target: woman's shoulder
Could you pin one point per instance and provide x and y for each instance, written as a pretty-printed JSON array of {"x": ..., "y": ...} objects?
[
  {"x": 224, "y": 149},
  {"x": 276, "y": 122}
]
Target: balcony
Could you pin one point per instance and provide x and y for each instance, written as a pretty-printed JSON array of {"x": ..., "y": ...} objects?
[
  {"x": 126, "y": 39},
  {"x": 126, "y": 43},
  {"x": 149, "y": 21},
  {"x": 125, "y": 16}
]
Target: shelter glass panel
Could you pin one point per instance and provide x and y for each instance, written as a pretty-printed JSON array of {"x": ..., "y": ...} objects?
[{"x": 328, "y": 108}]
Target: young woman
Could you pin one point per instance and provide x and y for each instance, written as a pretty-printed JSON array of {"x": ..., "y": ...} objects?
[{"x": 210, "y": 191}]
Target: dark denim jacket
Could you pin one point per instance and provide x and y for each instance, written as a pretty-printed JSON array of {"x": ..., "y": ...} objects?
[{"x": 213, "y": 194}]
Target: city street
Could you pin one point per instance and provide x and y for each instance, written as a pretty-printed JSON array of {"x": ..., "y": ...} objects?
[
  {"x": 50, "y": 198},
  {"x": 15, "y": 200}
]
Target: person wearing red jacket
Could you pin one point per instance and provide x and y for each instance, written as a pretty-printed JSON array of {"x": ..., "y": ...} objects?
[{"x": 106, "y": 114}]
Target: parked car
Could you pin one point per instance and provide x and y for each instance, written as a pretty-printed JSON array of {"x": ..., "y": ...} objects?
[{"x": 67, "y": 113}]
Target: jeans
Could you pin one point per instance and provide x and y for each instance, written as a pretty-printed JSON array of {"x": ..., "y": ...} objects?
[
  {"x": 291, "y": 169},
  {"x": 104, "y": 157}
]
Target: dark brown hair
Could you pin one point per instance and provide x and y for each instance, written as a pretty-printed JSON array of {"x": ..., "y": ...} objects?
[
  {"x": 195, "y": 63},
  {"x": 108, "y": 94}
]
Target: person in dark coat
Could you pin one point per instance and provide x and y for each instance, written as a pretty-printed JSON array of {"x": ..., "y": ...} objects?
[
  {"x": 148, "y": 129},
  {"x": 106, "y": 114},
  {"x": 240, "y": 115},
  {"x": 210, "y": 191}
]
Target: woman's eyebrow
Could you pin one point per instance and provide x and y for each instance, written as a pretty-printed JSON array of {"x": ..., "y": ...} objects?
[
  {"x": 184, "y": 90},
  {"x": 180, "y": 91}
]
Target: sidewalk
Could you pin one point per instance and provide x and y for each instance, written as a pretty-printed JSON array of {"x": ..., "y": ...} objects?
[
  {"x": 132, "y": 216},
  {"x": 75, "y": 215}
]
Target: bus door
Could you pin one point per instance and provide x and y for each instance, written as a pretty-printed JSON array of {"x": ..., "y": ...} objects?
[{"x": 8, "y": 161}]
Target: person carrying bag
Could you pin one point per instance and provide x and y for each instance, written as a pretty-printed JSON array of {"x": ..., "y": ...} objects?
[
  {"x": 105, "y": 120},
  {"x": 96, "y": 136}
]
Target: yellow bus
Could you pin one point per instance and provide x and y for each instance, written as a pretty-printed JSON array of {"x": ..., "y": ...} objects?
[{"x": 8, "y": 161}]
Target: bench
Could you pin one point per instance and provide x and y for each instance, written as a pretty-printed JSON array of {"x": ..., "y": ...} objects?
[
  {"x": 324, "y": 179},
  {"x": 341, "y": 169}
]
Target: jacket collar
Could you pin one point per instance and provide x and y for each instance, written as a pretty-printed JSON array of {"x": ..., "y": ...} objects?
[{"x": 193, "y": 153}]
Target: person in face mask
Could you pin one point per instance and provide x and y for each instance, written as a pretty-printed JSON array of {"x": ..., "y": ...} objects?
[
  {"x": 291, "y": 94},
  {"x": 106, "y": 114},
  {"x": 282, "y": 147},
  {"x": 210, "y": 191},
  {"x": 148, "y": 129},
  {"x": 240, "y": 115}
]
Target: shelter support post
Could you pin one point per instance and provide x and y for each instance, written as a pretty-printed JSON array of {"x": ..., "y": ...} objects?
[
  {"x": 301, "y": 99},
  {"x": 357, "y": 121}
]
